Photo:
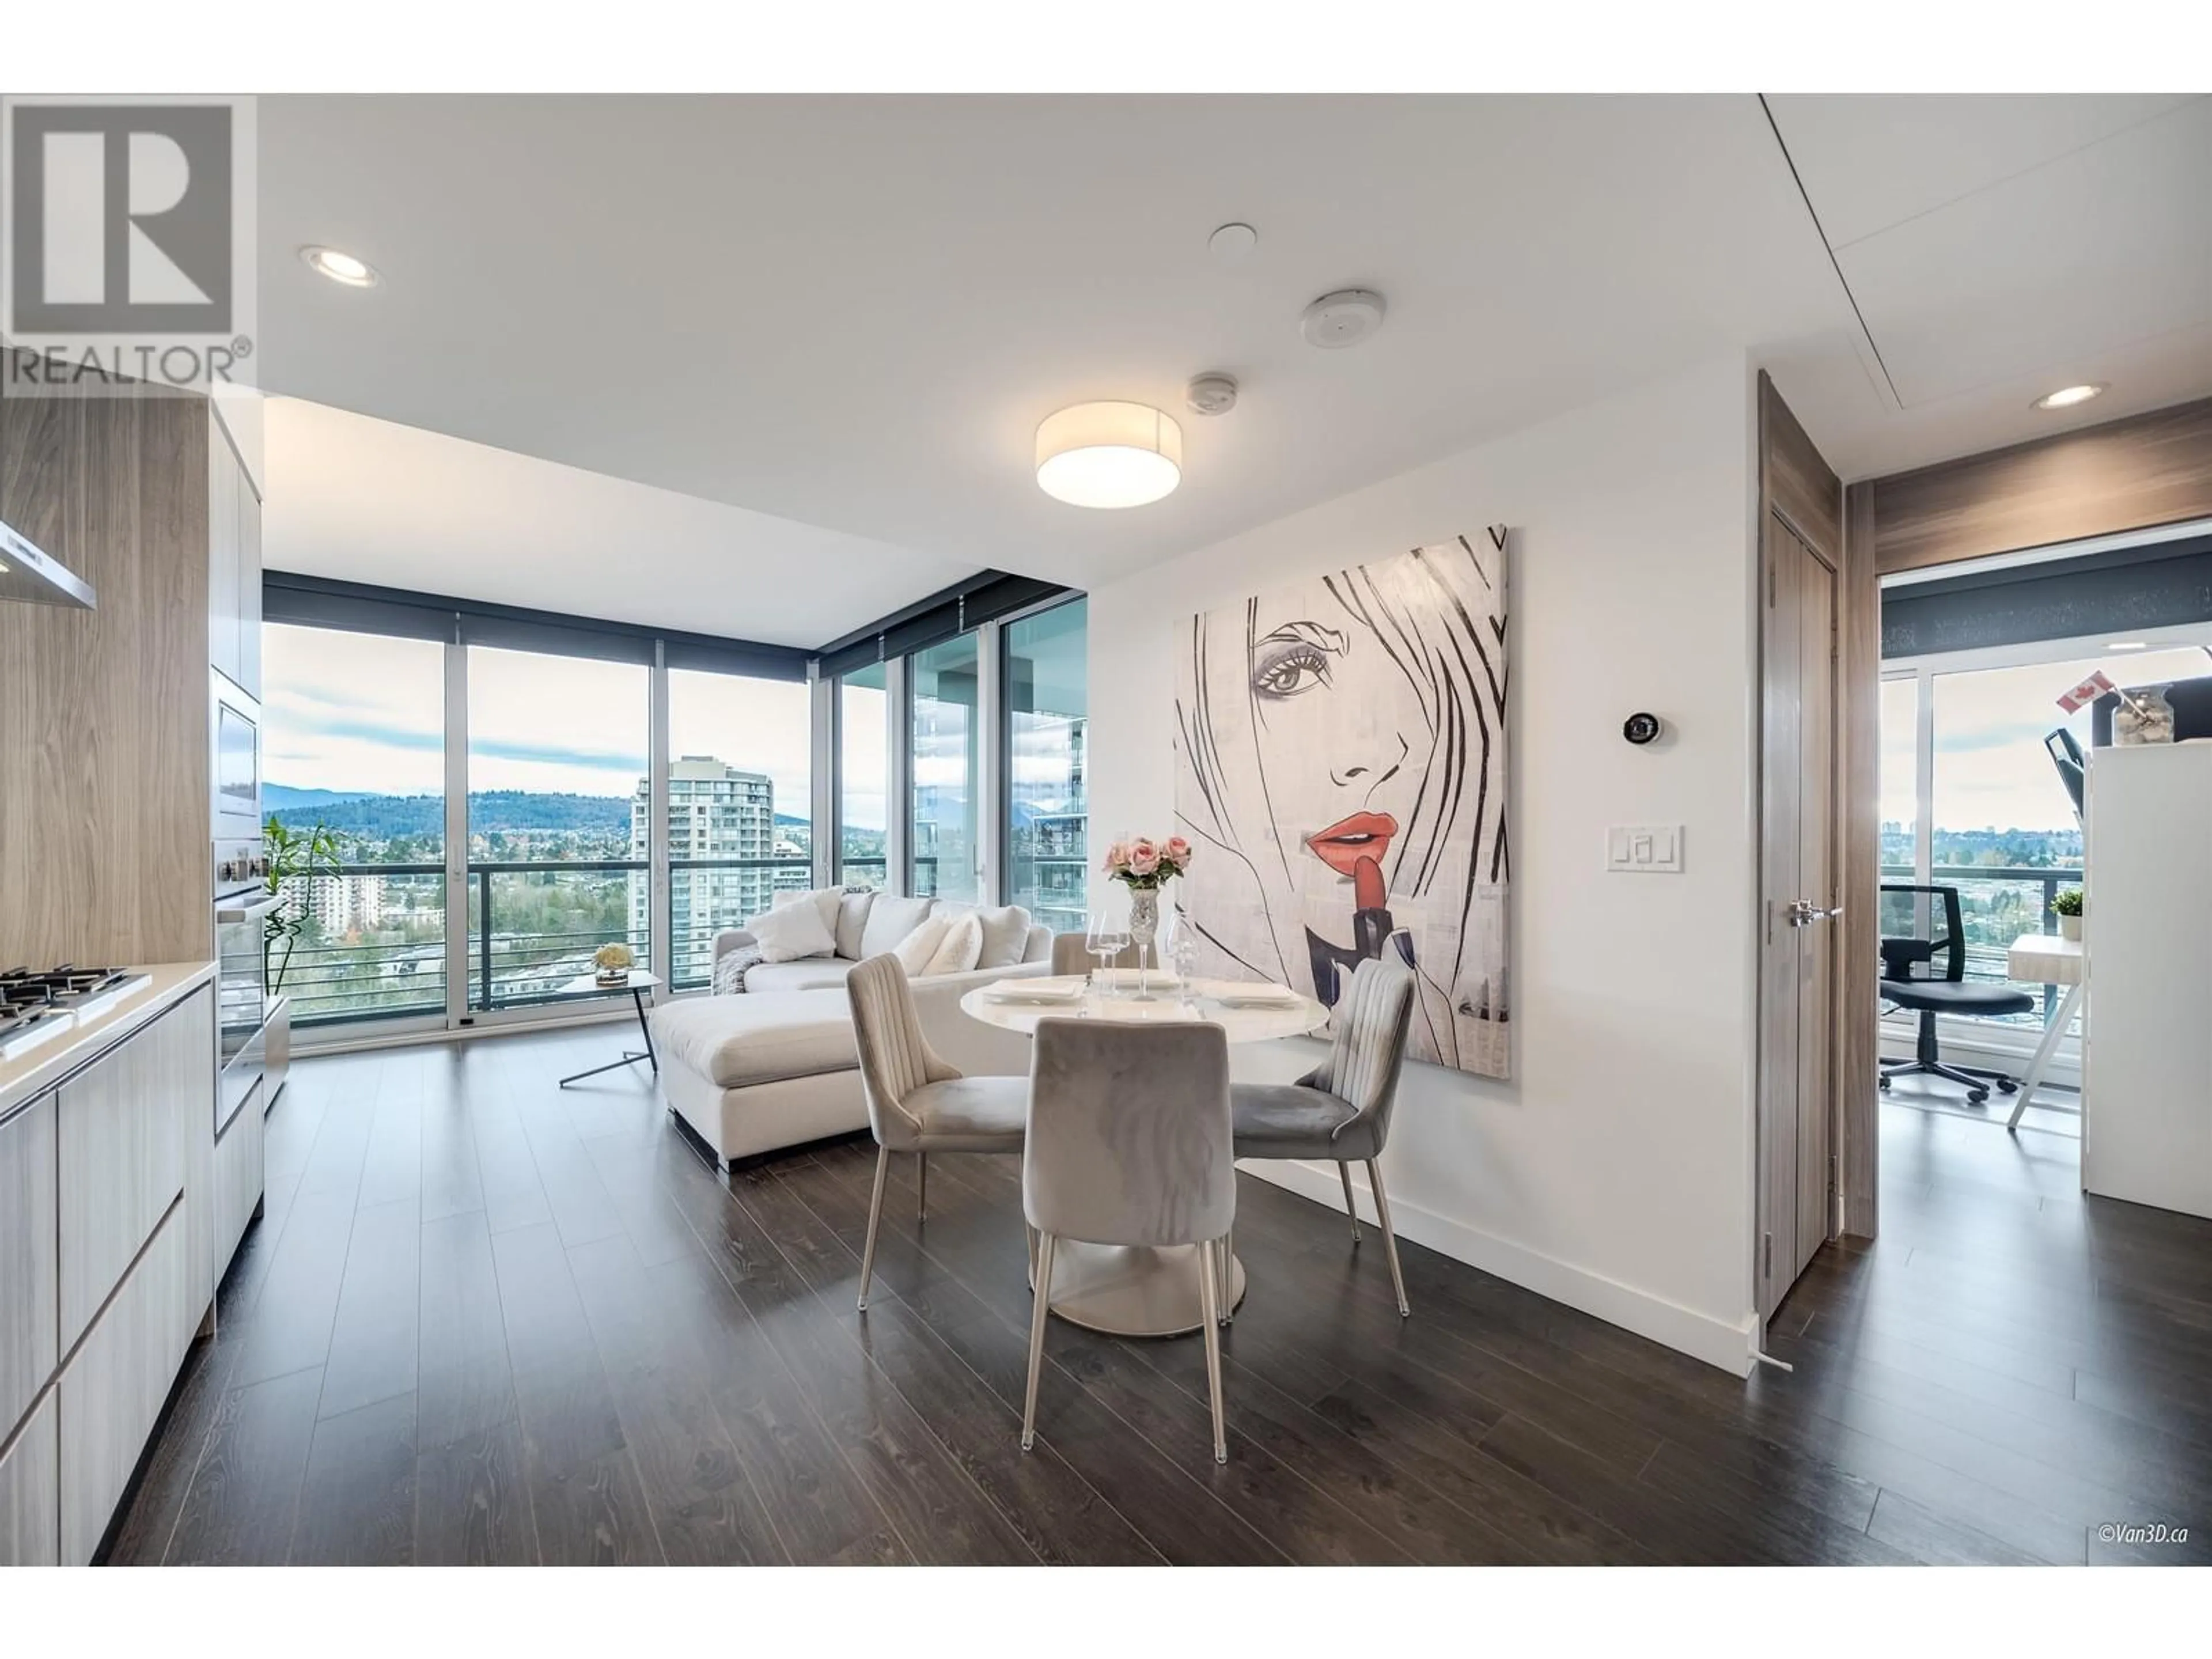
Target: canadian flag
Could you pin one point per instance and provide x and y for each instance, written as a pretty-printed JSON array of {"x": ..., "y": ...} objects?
[{"x": 2087, "y": 693}]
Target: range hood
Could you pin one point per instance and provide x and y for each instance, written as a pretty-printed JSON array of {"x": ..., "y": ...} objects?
[{"x": 28, "y": 574}]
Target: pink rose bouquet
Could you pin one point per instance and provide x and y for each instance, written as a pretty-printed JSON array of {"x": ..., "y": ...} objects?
[{"x": 1146, "y": 864}]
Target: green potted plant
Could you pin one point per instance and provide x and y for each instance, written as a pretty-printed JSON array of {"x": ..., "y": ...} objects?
[
  {"x": 294, "y": 855},
  {"x": 2066, "y": 905}
]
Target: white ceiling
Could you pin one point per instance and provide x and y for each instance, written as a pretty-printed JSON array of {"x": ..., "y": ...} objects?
[
  {"x": 1999, "y": 246},
  {"x": 371, "y": 501},
  {"x": 851, "y": 313}
]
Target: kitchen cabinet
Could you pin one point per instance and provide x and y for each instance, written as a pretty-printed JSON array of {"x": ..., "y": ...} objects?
[
  {"x": 236, "y": 1189},
  {"x": 114, "y": 1388},
  {"x": 122, "y": 1124},
  {"x": 30, "y": 1493},
  {"x": 233, "y": 563},
  {"x": 29, "y": 1279},
  {"x": 105, "y": 1265}
]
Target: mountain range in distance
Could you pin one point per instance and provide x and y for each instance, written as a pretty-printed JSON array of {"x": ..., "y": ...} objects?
[{"x": 366, "y": 812}]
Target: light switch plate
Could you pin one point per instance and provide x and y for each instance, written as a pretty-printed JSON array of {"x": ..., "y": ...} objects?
[{"x": 1649, "y": 849}]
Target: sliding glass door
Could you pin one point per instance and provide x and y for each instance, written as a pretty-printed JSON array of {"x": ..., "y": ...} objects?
[
  {"x": 740, "y": 825},
  {"x": 556, "y": 754},
  {"x": 353, "y": 759},
  {"x": 863, "y": 777},
  {"x": 945, "y": 699},
  {"x": 1047, "y": 798}
]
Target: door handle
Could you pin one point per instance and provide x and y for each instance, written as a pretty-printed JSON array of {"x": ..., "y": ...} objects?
[{"x": 1803, "y": 913}]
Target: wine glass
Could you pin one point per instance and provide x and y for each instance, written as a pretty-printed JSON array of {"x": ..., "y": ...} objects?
[
  {"x": 1107, "y": 936},
  {"x": 1178, "y": 948}
]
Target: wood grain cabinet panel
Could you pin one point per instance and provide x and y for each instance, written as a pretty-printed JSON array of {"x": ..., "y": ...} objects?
[
  {"x": 238, "y": 1181},
  {"x": 224, "y": 575},
  {"x": 249, "y": 585},
  {"x": 28, "y": 1282},
  {"x": 30, "y": 1495},
  {"x": 122, "y": 1150},
  {"x": 115, "y": 1384}
]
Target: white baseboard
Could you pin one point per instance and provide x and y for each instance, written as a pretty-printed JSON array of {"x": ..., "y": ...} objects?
[{"x": 1715, "y": 1341}]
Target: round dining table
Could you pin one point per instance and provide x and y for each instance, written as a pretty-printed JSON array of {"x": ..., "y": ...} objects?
[{"x": 1128, "y": 1290}]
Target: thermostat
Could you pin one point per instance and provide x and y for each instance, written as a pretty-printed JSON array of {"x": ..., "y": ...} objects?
[{"x": 1640, "y": 729}]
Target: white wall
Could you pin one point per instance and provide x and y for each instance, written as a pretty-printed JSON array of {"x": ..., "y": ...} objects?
[{"x": 1613, "y": 1171}]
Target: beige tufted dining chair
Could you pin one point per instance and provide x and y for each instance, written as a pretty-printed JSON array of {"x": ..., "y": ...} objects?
[
  {"x": 1339, "y": 1112},
  {"x": 1129, "y": 1143},
  {"x": 917, "y": 1103}
]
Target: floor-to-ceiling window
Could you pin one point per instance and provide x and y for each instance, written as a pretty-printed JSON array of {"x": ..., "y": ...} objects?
[
  {"x": 740, "y": 821},
  {"x": 943, "y": 696},
  {"x": 863, "y": 777},
  {"x": 1971, "y": 798},
  {"x": 555, "y": 747},
  {"x": 1044, "y": 684},
  {"x": 353, "y": 747}
]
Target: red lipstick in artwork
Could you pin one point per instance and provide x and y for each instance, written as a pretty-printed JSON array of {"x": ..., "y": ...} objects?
[{"x": 1363, "y": 838}]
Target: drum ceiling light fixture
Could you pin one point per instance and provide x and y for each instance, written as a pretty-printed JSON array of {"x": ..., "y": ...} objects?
[{"x": 1108, "y": 455}]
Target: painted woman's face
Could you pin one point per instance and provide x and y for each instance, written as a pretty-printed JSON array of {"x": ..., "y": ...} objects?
[{"x": 1343, "y": 744}]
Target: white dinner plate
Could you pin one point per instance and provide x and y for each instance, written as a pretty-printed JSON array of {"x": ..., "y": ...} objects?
[
  {"x": 1256, "y": 996},
  {"x": 1036, "y": 990}
]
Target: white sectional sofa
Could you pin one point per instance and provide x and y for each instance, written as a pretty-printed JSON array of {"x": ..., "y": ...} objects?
[{"x": 775, "y": 1065}]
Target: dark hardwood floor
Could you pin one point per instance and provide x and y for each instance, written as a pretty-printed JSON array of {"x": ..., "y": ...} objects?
[{"x": 489, "y": 1319}]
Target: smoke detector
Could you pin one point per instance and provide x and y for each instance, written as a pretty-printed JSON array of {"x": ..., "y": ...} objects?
[
  {"x": 1342, "y": 318},
  {"x": 1212, "y": 394}
]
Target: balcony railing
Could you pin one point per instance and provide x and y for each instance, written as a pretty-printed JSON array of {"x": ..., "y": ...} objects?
[
  {"x": 707, "y": 894},
  {"x": 399, "y": 972},
  {"x": 377, "y": 946},
  {"x": 1997, "y": 904},
  {"x": 534, "y": 925}
]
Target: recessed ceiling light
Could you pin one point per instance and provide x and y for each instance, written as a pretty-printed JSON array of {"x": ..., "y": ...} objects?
[
  {"x": 1109, "y": 455},
  {"x": 340, "y": 267},
  {"x": 2066, "y": 396},
  {"x": 2127, "y": 645}
]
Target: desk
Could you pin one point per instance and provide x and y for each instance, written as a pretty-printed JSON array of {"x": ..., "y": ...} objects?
[
  {"x": 1120, "y": 1289},
  {"x": 637, "y": 984},
  {"x": 2046, "y": 959}
]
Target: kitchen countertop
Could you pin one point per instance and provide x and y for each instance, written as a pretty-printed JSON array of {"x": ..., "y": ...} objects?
[{"x": 27, "y": 1076}]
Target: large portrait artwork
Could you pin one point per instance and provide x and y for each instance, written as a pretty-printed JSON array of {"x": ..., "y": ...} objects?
[{"x": 1340, "y": 766}]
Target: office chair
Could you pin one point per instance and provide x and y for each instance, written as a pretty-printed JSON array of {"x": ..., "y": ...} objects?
[{"x": 1908, "y": 980}]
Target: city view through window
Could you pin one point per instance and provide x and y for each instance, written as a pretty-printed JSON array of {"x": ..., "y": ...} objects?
[
  {"x": 560, "y": 816},
  {"x": 1994, "y": 820}
]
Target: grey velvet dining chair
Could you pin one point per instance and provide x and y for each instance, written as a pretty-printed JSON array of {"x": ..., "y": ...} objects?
[
  {"x": 1129, "y": 1145},
  {"x": 1071, "y": 954},
  {"x": 1339, "y": 1112},
  {"x": 917, "y": 1104}
]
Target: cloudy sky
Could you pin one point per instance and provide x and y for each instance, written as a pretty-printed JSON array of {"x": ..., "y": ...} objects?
[
  {"x": 358, "y": 713},
  {"x": 1992, "y": 772}
]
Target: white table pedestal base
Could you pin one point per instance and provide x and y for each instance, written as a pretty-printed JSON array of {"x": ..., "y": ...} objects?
[{"x": 1131, "y": 1290}]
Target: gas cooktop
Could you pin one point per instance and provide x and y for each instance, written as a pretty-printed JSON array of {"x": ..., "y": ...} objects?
[{"x": 36, "y": 1006}]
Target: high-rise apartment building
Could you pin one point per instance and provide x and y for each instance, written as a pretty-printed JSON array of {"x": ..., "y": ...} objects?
[{"x": 714, "y": 811}]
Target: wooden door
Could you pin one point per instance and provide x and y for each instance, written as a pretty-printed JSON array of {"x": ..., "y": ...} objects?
[{"x": 1799, "y": 901}]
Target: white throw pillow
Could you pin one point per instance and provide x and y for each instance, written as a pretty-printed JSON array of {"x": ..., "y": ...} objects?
[
  {"x": 1006, "y": 936},
  {"x": 890, "y": 919},
  {"x": 852, "y": 923},
  {"x": 790, "y": 932},
  {"x": 914, "y": 950},
  {"x": 962, "y": 944},
  {"x": 825, "y": 900}
]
